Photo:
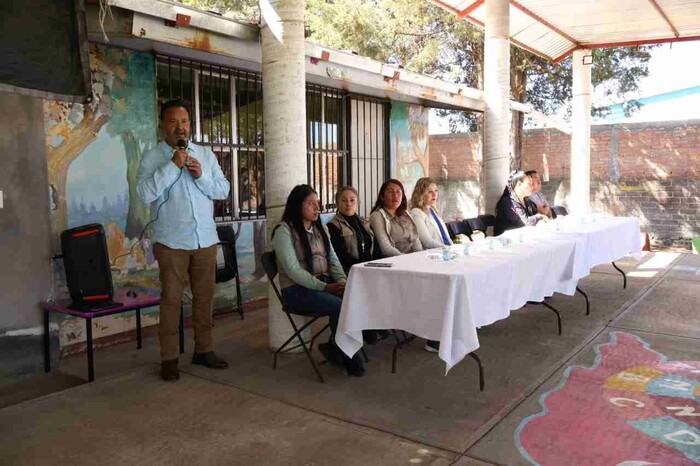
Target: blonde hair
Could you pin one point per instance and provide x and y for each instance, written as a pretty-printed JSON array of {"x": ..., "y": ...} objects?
[
  {"x": 342, "y": 191},
  {"x": 422, "y": 186}
]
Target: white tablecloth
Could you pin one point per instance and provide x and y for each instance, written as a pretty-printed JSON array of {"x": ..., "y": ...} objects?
[
  {"x": 601, "y": 239},
  {"x": 448, "y": 301}
]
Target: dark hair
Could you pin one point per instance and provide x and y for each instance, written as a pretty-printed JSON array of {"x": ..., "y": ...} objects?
[
  {"x": 531, "y": 172},
  {"x": 175, "y": 103},
  {"x": 380, "y": 197},
  {"x": 516, "y": 178},
  {"x": 292, "y": 216}
]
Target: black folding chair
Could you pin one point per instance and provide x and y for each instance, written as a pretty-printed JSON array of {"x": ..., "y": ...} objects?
[
  {"x": 559, "y": 210},
  {"x": 228, "y": 270},
  {"x": 458, "y": 228},
  {"x": 269, "y": 263},
  {"x": 488, "y": 220},
  {"x": 476, "y": 224}
]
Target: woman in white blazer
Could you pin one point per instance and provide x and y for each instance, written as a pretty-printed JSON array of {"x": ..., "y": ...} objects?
[{"x": 432, "y": 230}]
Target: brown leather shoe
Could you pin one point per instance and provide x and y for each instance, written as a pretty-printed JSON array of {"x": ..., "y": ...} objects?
[
  {"x": 169, "y": 371},
  {"x": 209, "y": 360}
]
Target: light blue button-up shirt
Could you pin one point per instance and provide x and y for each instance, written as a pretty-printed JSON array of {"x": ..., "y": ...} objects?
[{"x": 186, "y": 220}]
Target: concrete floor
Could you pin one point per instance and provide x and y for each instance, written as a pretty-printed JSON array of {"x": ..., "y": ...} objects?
[{"x": 250, "y": 414}]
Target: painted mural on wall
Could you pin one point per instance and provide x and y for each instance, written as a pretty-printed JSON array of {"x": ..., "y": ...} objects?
[
  {"x": 409, "y": 143},
  {"x": 94, "y": 151},
  {"x": 93, "y": 154},
  {"x": 631, "y": 393}
]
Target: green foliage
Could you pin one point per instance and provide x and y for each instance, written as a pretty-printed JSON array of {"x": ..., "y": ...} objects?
[
  {"x": 240, "y": 10},
  {"x": 421, "y": 37}
]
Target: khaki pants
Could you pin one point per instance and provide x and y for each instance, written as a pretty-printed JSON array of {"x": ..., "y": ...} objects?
[{"x": 177, "y": 266}]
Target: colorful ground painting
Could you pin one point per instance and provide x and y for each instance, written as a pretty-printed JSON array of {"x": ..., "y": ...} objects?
[{"x": 633, "y": 407}]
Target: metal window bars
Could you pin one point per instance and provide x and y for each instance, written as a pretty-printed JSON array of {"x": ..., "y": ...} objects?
[
  {"x": 226, "y": 106},
  {"x": 347, "y": 134}
]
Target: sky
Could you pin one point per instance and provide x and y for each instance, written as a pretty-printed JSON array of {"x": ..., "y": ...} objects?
[{"x": 672, "y": 67}]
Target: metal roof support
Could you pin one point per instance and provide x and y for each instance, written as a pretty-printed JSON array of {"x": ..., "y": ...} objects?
[
  {"x": 658, "y": 9},
  {"x": 496, "y": 158},
  {"x": 545, "y": 23},
  {"x": 579, "y": 201}
]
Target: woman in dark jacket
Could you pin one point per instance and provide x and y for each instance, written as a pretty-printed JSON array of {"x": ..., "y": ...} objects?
[
  {"x": 513, "y": 209},
  {"x": 351, "y": 236},
  {"x": 353, "y": 241}
]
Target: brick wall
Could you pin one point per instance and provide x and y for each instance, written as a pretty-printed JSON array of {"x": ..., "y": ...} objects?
[
  {"x": 647, "y": 170},
  {"x": 455, "y": 156}
]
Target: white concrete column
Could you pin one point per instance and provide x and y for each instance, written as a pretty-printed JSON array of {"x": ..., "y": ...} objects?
[
  {"x": 496, "y": 156},
  {"x": 284, "y": 108},
  {"x": 580, "y": 198}
]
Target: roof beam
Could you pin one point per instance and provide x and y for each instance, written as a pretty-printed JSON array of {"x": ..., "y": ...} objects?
[
  {"x": 640, "y": 42},
  {"x": 556, "y": 60},
  {"x": 513, "y": 41},
  {"x": 470, "y": 8},
  {"x": 663, "y": 15},
  {"x": 445, "y": 6},
  {"x": 544, "y": 22}
]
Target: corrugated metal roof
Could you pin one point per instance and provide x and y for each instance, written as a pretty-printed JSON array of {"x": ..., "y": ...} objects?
[{"x": 554, "y": 28}]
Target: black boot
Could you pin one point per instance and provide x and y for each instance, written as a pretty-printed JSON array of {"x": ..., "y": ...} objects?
[
  {"x": 169, "y": 370},
  {"x": 331, "y": 352},
  {"x": 354, "y": 366}
]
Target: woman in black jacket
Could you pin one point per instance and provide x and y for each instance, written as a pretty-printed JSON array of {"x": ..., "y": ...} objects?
[
  {"x": 513, "y": 209},
  {"x": 353, "y": 241},
  {"x": 351, "y": 236}
]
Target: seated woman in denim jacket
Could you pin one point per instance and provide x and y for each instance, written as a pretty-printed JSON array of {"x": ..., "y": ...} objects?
[
  {"x": 391, "y": 223},
  {"x": 513, "y": 209},
  {"x": 432, "y": 231},
  {"x": 310, "y": 274}
]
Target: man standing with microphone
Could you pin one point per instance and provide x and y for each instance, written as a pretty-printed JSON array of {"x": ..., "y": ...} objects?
[{"x": 180, "y": 180}]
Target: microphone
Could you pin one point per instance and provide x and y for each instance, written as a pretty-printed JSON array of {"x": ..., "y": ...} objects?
[{"x": 182, "y": 143}]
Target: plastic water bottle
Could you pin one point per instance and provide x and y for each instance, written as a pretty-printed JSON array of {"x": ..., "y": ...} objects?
[{"x": 446, "y": 254}]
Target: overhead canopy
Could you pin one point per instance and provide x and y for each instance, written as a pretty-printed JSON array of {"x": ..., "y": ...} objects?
[{"x": 553, "y": 29}]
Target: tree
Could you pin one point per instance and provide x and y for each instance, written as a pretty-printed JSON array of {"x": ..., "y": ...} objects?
[{"x": 426, "y": 39}]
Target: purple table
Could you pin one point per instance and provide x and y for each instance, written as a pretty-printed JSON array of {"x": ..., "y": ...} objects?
[{"x": 129, "y": 303}]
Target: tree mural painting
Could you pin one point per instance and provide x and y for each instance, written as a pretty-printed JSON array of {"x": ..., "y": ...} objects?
[
  {"x": 418, "y": 118},
  {"x": 410, "y": 152},
  {"x": 124, "y": 104},
  {"x": 133, "y": 120},
  {"x": 70, "y": 128}
]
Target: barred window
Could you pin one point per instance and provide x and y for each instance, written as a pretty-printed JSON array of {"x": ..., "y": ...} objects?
[
  {"x": 347, "y": 141},
  {"x": 227, "y": 116},
  {"x": 327, "y": 154}
]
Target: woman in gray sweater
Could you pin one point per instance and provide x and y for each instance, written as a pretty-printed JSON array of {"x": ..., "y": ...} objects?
[{"x": 393, "y": 227}]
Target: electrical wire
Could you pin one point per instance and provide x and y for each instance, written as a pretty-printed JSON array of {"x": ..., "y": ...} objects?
[{"x": 167, "y": 197}]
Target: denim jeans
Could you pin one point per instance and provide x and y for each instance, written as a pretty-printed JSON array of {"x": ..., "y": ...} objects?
[{"x": 314, "y": 303}]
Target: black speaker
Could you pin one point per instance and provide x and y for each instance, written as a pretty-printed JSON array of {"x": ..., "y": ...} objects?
[{"x": 86, "y": 262}]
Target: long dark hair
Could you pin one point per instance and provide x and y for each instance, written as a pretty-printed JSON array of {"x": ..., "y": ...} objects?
[
  {"x": 380, "y": 197},
  {"x": 292, "y": 216}
]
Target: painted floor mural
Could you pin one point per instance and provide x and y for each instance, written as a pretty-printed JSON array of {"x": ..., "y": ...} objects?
[{"x": 633, "y": 407}]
